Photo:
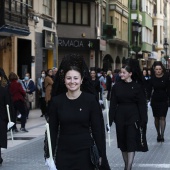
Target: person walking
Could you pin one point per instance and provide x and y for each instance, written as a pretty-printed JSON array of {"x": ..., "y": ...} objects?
[
  {"x": 54, "y": 71},
  {"x": 95, "y": 82},
  {"x": 146, "y": 79},
  {"x": 4, "y": 100},
  {"x": 128, "y": 110},
  {"x": 159, "y": 93},
  {"x": 41, "y": 92},
  {"x": 5, "y": 83},
  {"x": 109, "y": 84},
  {"x": 29, "y": 88},
  {"x": 102, "y": 80},
  {"x": 75, "y": 117},
  {"x": 18, "y": 98}
]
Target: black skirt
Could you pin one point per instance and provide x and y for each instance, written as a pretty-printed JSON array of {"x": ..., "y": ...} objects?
[
  {"x": 129, "y": 138},
  {"x": 3, "y": 134},
  {"x": 74, "y": 160},
  {"x": 159, "y": 109}
]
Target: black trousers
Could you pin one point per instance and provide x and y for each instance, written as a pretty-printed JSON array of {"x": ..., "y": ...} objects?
[
  {"x": 42, "y": 105},
  {"x": 21, "y": 107}
]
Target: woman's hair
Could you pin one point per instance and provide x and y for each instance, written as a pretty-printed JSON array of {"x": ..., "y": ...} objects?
[
  {"x": 157, "y": 63},
  {"x": 13, "y": 76},
  {"x": 132, "y": 65},
  {"x": 4, "y": 80},
  {"x": 127, "y": 68},
  {"x": 76, "y": 62},
  {"x": 109, "y": 72},
  {"x": 47, "y": 72},
  {"x": 73, "y": 68},
  {"x": 43, "y": 71}
]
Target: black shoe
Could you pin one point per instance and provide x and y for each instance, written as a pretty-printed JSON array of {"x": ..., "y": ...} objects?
[
  {"x": 23, "y": 130},
  {"x": 162, "y": 139},
  {"x": 41, "y": 115},
  {"x": 1, "y": 160},
  {"x": 159, "y": 139}
]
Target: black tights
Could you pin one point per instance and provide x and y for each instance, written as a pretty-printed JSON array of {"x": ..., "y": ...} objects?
[
  {"x": 160, "y": 124},
  {"x": 128, "y": 158}
]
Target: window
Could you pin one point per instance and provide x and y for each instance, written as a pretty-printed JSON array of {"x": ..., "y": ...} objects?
[
  {"x": 134, "y": 5},
  {"x": 7, "y": 4},
  {"x": 16, "y": 11},
  {"x": 70, "y": 12},
  {"x": 47, "y": 4},
  {"x": 77, "y": 13},
  {"x": 30, "y": 3},
  {"x": 104, "y": 15}
]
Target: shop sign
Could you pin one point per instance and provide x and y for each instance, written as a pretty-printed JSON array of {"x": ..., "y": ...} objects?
[
  {"x": 78, "y": 43},
  {"x": 48, "y": 39}
]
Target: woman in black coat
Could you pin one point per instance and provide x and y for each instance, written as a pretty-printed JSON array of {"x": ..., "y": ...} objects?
[
  {"x": 95, "y": 82},
  {"x": 108, "y": 84},
  {"x": 159, "y": 93},
  {"x": 128, "y": 110},
  {"x": 4, "y": 100},
  {"x": 75, "y": 118}
]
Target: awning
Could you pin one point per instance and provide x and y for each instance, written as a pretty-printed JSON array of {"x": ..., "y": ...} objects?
[
  {"x": 8, "y": 30},
  {"x": 154, "y": 55}
]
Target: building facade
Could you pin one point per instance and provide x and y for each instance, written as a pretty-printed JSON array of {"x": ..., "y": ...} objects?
[
  {"x": 28, "y": 36},
  {"x": 141, "y": 45},
  {"x": 115, "y": 14},
  {"x": 76, "y": 29},
  {"x": 13, "y": 23}
]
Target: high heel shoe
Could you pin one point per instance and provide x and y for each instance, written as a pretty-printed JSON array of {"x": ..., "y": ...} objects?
[
  {"x": 1, "y": 160},
  {"x": 162, "y": 139},
  {"x": 159, "y": 139}
]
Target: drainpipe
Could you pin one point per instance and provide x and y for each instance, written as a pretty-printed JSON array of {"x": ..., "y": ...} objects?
[{"x": 129, "y": 29}]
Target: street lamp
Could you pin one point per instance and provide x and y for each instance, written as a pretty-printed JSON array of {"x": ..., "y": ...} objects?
[
  {"x": 166, "y": 48},
  {"x": 136, "y": 28}
]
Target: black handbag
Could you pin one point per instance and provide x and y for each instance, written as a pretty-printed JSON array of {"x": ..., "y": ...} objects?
[
  {"x": 94, "y": 155},
  {"x": 141, "y": 137}
]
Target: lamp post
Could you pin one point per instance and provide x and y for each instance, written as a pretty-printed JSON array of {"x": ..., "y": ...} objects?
[
  {"x": 136, "y": 28},
  {"x": 166, "y": 48}
]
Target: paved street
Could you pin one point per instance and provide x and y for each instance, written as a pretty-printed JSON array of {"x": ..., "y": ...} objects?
[{"x": 26, "y": 151}]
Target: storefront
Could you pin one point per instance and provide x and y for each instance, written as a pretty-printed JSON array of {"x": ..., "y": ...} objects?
[{"x": 88, "y": 48}]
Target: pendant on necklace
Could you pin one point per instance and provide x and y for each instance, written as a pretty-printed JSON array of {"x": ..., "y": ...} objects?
[{"x": 80, "y": 109}]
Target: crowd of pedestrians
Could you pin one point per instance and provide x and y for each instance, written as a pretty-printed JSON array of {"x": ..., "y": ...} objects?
[
  {"x": 71, "y": 100},
  {"x": 19, "y": 95}
]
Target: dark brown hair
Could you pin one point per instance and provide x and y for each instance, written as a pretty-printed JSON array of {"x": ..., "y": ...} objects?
[{"x": 13, "y": 76}]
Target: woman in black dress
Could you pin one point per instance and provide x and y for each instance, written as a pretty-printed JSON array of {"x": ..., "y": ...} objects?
[
  {"x": 159, "y": 92},
  {"x": 146, "y": 79},
  {"x": 128, "y": 110},
  {"x": 75, "y": 118},
  {"x": 95, "y": 82}
]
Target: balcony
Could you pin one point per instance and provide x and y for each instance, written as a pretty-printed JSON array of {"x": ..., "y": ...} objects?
[{"x": 13, "y": 22}]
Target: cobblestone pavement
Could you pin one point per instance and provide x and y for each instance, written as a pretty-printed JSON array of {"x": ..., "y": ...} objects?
[{"x": 29, "y": 155}]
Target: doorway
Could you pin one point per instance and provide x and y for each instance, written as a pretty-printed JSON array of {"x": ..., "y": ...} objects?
[{"x": 24, "y": 57}]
